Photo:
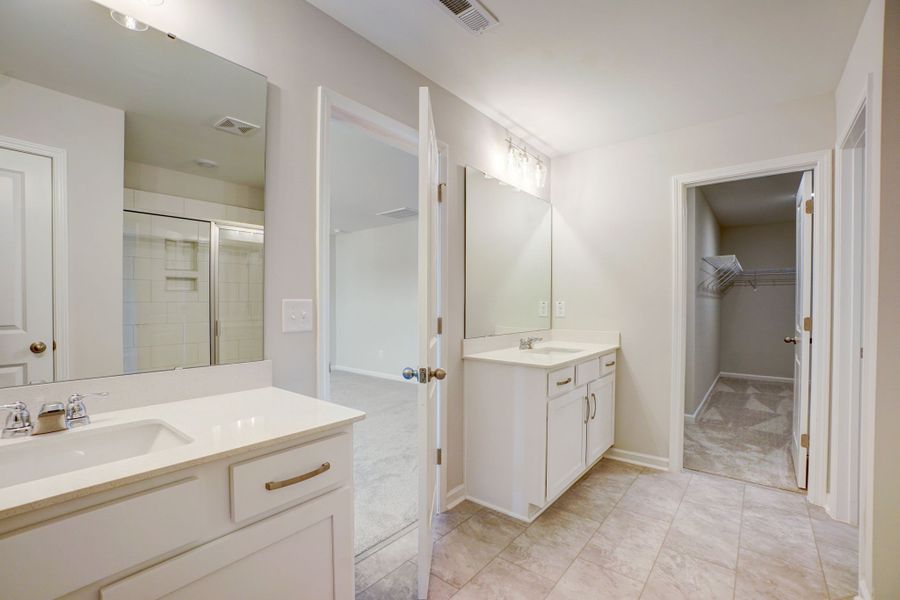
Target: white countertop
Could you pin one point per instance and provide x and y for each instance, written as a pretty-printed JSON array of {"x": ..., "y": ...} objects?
[
  {"x": 526, "y": 358},
  {"x": 220, "y": 426}
]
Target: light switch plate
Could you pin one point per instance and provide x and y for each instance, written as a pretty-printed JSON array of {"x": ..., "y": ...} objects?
[
  {"x": 296, "y": 315},
  {"x": 543, "y": 308},
  {"x": 559, "y": 308}
]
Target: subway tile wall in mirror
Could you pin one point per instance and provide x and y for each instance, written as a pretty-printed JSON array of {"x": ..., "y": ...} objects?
[
  {"x": 132, "y": 169},
  {"x": 507, "y": 258}
]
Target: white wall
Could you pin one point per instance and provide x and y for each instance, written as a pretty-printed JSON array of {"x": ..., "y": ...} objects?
[
  {"x": 299, "y": 48},
  {"x": 376, "y": 287},
  {"x": 612, "y": 241},
  {"x": 93, "y": 137},
  {"x": 754, "y": 323},
  {"x": 150, "y": 178},
  {"x": 703, "y": 314},
  {"x": 879, "y": 518}
]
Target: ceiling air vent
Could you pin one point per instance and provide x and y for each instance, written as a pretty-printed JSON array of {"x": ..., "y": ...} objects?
[
  {"x": 471, "y": 14},
  {"x": 235, "y": 126},
  {"x": 399, "y": 213}
]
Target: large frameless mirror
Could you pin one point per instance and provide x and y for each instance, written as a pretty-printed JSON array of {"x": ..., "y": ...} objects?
[
  {"x": 132, "y": 168},
  {"x": 507, "y": 258}
]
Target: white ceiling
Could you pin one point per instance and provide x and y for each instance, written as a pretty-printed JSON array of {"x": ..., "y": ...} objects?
[
  {"x": 172, "y": 92},
  {"x": 368, "y": 176},
  {"x": 581, "y": 73},
  {"x": 757, "y": 201}
]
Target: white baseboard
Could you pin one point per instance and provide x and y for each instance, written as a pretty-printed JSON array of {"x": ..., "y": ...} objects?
[
  {"x": 691, "y": 417},
  {"x": 637, "y": 458},
  {"x": 456, "y": 495},
  {"x": 758, "y": 377},
  {"x": 864, "y": 593},
  {"x": 377, "y": 374}
]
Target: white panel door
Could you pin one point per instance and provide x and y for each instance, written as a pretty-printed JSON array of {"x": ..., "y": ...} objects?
[
  {"x": 429, "y": 267},
  {"x": 26, "y": 268},
  {"x": 601, "y": 422},
  {"x": 802, "y": 330},
  {"x": 566, "y": 419}
]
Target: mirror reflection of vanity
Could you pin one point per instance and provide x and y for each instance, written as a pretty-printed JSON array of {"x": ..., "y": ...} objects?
[
  {"x": 132, "y": 168},
  {"x": 507, "y": 258}
]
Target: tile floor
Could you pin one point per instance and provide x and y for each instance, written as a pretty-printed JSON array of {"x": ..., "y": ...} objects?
[
  {"x": 625, "y": 532},
  {"x": 385, "y": 466},
  {"x": 744, "y": 432}
]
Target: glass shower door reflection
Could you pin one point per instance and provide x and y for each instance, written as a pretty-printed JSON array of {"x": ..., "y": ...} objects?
[{"x": 238, "y": 294}]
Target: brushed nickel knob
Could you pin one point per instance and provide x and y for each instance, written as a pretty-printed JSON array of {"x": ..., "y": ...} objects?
[
  {"x": 438, "y": 374},
  {"x": 790, "y": 340},
  {"x": 38, "y": 347}
]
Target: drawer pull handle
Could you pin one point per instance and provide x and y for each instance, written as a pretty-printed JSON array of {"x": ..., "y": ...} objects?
[
  {"x": 276, "y": 485},
  {"x": 564, "y": 381},
  {"x": 610, "y": 364}
]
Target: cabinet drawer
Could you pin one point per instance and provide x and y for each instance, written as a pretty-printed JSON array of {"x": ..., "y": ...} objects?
[
  {"x": 66, "y": 554},
  {"x": 561, "y": 381},
  {"x": 608, "y": 364},
  {"x": 587, "y": 371},
  {"x": 261, "y": 484}
]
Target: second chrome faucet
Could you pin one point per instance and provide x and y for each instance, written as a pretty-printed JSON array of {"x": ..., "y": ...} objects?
[{"x": 53, "y": 416}]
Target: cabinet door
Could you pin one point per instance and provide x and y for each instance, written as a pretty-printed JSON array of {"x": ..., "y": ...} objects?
[
  {"x": 565, "y": 439},
  {"x": 602, "y": 419},
  {"x": 305, "y": 553}
]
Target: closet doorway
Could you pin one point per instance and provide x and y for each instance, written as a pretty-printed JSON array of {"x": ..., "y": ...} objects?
[{"x": 747, "y": 373}]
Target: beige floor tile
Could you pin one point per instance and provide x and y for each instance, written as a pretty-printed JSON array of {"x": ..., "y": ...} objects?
[
  {"x": 767, "y": 498},
  {"x": 551, "y": 543},
  {"x": 681, "y": 577},
  {"x": 502, "y": 580},
  {"x": 492, "y": 528},
  {"x": 388, "y": 559},
  {"x": 402, "y": 584},
  {"x": 590, "y": 502},
  {"x": 457, "y": 557},
  {"x": 587, "y": 581},
  {"x": 784, "y": 536},
  {"x": 654, "y": 496},
  {"x": 681, "y": 479},
  {"x": 707, "y": 532},
  {"x": 627, "y": 543},
  {"x": 760, "y": 576},
  {"x": 445, "y": 522},
  {"x": 840, "y": 566},
  {"x": 835, "y": 533},
  {"x": 715, "y": 491}
]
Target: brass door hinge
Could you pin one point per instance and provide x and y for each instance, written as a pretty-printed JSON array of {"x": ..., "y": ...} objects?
[
  {"x": 807, "y": 324},
  {"x": 808, "y": 206},
  {"x": 442, "y": 189},
  {"x": 440, "y": 456},
  {"x": 440, "y": 325},
  {"x": 804, "y": 440}
]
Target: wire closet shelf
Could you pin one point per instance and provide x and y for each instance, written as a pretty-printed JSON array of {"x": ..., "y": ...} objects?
[{"x": 728, "y": 272}]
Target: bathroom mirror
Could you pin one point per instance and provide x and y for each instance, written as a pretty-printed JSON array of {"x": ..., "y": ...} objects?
[
  {"x": 507, "y": 258},
  {"x": 132, "y": 167}
]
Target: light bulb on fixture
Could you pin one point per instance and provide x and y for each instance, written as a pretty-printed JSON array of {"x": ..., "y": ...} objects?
[
  {"x": 512, "y": 159},
  {"x": 128, "y": 22},
  {"x": 540, "y": 174}
]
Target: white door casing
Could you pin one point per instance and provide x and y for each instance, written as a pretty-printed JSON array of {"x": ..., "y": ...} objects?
[
  {"x": 26, "y": 268},
  {"x": 428, "y": 339},
  {"x": 802, "y": 329}
]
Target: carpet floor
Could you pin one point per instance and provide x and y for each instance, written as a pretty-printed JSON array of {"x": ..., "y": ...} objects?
[
  {"x": 385, "y": 444},
  {"x": 744, "y": 432}
]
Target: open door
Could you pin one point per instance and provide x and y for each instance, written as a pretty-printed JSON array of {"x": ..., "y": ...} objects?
[
  {"x": 802, "y": 328},
  {"x": 427, "y": 373}
]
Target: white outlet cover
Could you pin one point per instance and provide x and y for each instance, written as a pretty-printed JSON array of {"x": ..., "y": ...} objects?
[
  {"x": 296, "y": 315},
  {"x": 543, "y": 308},
  {"x": 560, "y": 308}
]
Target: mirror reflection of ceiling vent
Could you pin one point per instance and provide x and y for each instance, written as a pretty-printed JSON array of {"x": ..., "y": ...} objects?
[
  {"x": 471, "y": 14},
  {"x": 398, "y": 213},
  {"x": 235, "y": 126}
]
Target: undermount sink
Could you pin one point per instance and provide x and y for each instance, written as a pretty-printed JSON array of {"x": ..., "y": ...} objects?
[
  {"x": 43, "y": 456},
  {"x": 553, "y": 350}
]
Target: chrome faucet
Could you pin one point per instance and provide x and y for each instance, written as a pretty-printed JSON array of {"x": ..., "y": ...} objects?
[
  {"x": 18, "y": 423},
  {"x": 53, "y": 416},
  {"x": 527, "y": 343}
]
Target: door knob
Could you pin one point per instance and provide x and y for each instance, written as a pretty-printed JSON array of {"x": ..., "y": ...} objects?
[
  {"x": 790, "y": 340},
  {"x": 409, "y": 373},
  {"x": 38, "y": 347},
  {"x": 438, "y": 374},
  {"x": 423, "y": 375}
]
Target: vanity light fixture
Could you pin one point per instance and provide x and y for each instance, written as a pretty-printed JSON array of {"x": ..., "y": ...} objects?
[
  {"x": 518, "y": 158},
  {"x": 540, "y": 174},
  {"x": 128, "y": 22}
]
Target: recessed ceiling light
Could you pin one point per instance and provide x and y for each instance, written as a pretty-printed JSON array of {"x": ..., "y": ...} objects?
[
  {"x": 128, "y": 22},
  {"x": 206, "y": 163}
]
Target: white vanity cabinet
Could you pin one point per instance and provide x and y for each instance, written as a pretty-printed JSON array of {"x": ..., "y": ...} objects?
[
  {"x": 269, "y": 522},
  {"x": 531, "y": 432}
]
